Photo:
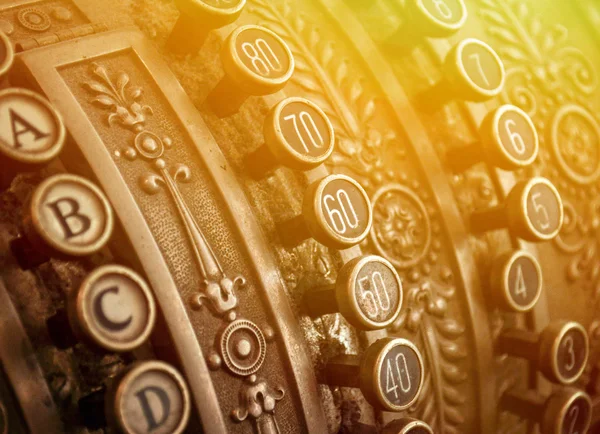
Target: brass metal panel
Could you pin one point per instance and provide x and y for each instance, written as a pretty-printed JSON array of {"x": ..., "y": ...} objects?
[{"x": 184, "y": 237}]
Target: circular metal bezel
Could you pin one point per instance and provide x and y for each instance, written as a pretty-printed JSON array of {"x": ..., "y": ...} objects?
[
  {"x": 198, "y": 9},
  {"x": 375, "y": 372},
  {"x": 443, "y": 28},
  {"x": 322, "y": 232},
  {"x": 247, "y": 80},
  {"x": 504, "y": 283},
  {"x": 84, "y": 322},
  {"x": 228, "y": 360},
  {"x": 405, "y": 425},
  {"x": 533, "y": 233},
  {"x": 558, "y": 407},
  {"x": 140, "y": 368},
  {"x": 553, "y": 352},
  {"x": 346, "y": 294},
  {"x": 67, "y": 248},
  {"x": 500, "y": 150},
  {"x": 43, "y": 156},
  {"x": 456, "y": 61},
  {"x": 10, "y": 54},
  {"x": 280, "y": 147}
]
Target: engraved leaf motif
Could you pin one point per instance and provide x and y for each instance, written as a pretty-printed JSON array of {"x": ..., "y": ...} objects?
[
  {"x": 104, "y": 100},
  {"x": 444, "y": 349},
  {"x": 321, "y": 73}
]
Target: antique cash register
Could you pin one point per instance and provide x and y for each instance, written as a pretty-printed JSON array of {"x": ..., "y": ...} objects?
[{"x": 300, "y": 216}]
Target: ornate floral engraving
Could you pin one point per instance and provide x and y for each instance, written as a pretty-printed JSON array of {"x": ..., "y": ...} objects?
[
  {"x": 575, "y": 141},
  {"x": 401, "y": 229},
  {"x": 426, "y": 314},
  {"x": 257, "y": 401},
  {"x": 539, "y": 61},
  {"x": 369, "y": 154},
  {"x": 580, "y": 239},
  {"x": 327, "y": 81},
  {"x": 218, "y": 289},
  {"x": 242, "y": 344},
  {"x": 552, "y": 81}
]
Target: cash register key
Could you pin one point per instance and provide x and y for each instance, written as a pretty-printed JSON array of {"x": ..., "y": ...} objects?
[
  {"x": 472, "y": 71},
  {"x": 407, "y": 425},
  {"x": 560, "y": 351},
  {"x": 389, "y": 374},
  {"x": 256, "y": 62},
  {"x": 427, "y": 19},
  {"x": 7, "y": 57},
  {"x": 533, "y": 211},
  {"x": 368, "y": 293},
  {"x": 113, "y": 308},
  {"x": 516, "y": 281},
  {"x": 197, "y": 18},
  {"x": 508, "y": 140},
  {"x": 336, "y": 212},
  {"x": 32, "y": 133},
  {"x": 68, "y": 216},
  {"x": 566, "y": 411},
  {"x": 298, "y": 135},
  {"x": 149, "y": 397}
]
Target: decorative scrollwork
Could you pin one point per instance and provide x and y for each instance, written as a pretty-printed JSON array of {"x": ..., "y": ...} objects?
[
  {"x": 426, "y": 314},
  {"x": 122, "y": 99},
  {"x": 539, "y": 61},
  {"x": 580, "y": 239},
  {"x": 243, "y": 347},
  {"x": 327, "y": 80},
  {"x": 401, "y": 230},
  {"x": 258, "y": 401},
  {"x": 575, "y": 142}
]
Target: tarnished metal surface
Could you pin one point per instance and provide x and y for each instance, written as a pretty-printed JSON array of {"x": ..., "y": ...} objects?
[{"x": 167, "y": 126}]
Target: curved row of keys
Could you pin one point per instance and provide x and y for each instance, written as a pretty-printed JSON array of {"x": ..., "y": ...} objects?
[{"x": 113, "y": 310}]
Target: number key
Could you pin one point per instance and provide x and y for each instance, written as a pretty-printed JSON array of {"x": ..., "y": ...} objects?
[
  {"x": 256, "y": 62},
  {"x": 508, "y": 139},
  {"x": 472, "y": 72},
  {"x": 298, "y": 134},
  {"x": 389, "y": 373},
  {"x": 336, "y": 211},
  {"x": 533, "y": 211},
  {"x": 560, "y": 351},
  {"x": 197, "y": 19},
  {"x": 367, "y": 292},
  {"x": 566, "y": 411},
  {"x": 407, "y": 425},
  {"x": 428, "y": 19},
  {"x": 516, "y": 281}
]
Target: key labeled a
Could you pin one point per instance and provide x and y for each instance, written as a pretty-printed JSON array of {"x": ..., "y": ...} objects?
[{"x": 32, "y": 133}]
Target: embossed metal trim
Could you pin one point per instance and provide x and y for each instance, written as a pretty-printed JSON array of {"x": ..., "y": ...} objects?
[
  {"x": 130, "y": 216},
  {"x": 28, "y": 382},
  {"x": 41, "y": 61},
  {"x": 464, "y": 261}
]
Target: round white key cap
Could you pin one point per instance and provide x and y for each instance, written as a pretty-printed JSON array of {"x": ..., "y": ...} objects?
[
  {"x": 71, "y": 215},
  {"x": 31, "y": 130},
  {"x": 113, "y": 308},
  {"x": 150, "y": 398}
]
